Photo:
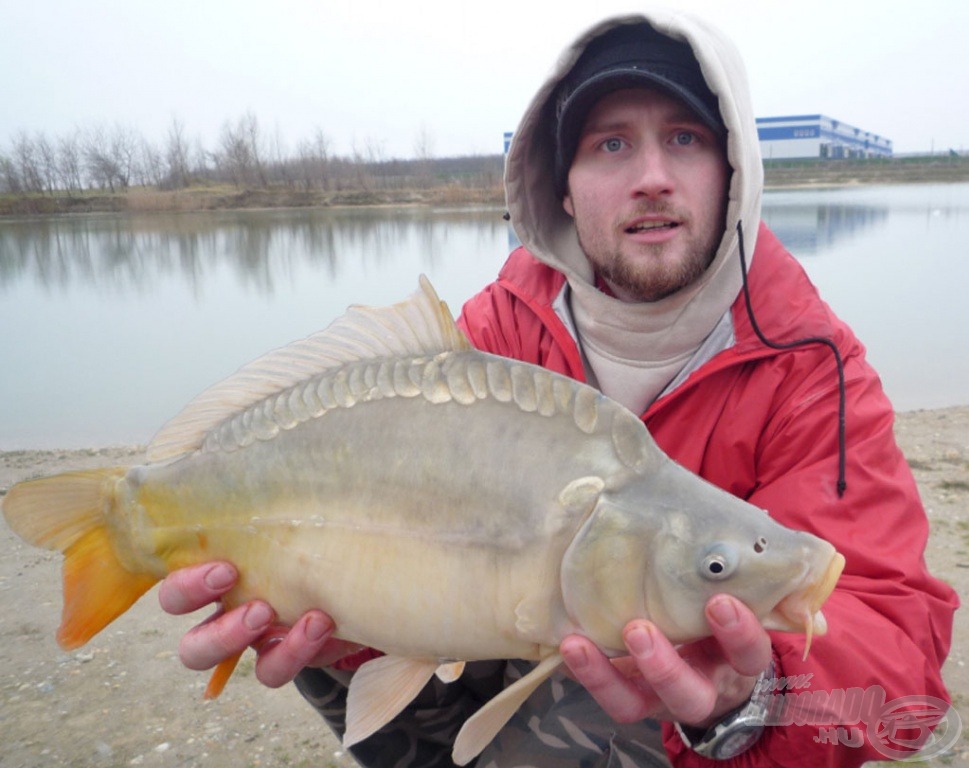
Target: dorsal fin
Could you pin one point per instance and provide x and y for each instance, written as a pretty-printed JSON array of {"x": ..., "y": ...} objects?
[{"x": 420, "y": 325}]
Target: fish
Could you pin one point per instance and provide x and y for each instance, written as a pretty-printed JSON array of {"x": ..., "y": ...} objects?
[{"x": 442, "y": 504}]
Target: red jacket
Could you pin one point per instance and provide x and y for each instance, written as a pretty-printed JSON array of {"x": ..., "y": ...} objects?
[{"x": 763, "y": 425}]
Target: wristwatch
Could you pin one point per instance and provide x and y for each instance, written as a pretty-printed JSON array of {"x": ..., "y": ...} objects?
[{"x": 738, "y": 730}]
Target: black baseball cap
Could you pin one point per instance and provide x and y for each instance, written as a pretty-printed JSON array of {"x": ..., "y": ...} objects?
[{"x": 628, "y": 56}]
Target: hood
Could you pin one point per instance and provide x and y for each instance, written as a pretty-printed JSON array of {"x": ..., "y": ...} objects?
[{"x": 656, "y": 338}]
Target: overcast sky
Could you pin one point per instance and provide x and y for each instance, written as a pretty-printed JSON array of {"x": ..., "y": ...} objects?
[{"x": 378, "y": 73}]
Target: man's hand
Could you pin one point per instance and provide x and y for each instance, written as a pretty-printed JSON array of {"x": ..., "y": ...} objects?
[
  {"x": 282, "y": 651},
  {"x": 694, "y": 684}
]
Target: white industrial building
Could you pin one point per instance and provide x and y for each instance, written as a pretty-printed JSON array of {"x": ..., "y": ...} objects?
[{"x": 817, "y": 136}]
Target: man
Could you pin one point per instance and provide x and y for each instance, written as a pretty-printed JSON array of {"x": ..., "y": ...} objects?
[{"x": 634, "y": 183}]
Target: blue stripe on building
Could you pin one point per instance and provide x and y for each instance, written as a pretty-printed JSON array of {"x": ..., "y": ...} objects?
[{"x": 807, "y": 136}]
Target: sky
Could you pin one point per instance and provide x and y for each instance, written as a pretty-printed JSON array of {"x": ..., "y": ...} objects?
[{"x": 387, "y": 77}]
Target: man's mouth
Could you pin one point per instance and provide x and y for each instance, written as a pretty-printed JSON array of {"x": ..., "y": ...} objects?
[{"x": 651, "y": 226}]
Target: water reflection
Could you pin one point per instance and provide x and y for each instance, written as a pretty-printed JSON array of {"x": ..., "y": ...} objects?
[
  {"x": 262, "y": 248},
  {"x": 808, "y": 227},
  {"x": 120, "y": 253},
  {"x": 814, "y": 221},
  {"x": 112, "y": 323}
]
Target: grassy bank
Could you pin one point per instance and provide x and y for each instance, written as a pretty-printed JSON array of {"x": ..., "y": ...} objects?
[
  {"x": 145, "y": 200},
  {"x": 835, "y": 173},
  {"x": 778, "y": 175}
]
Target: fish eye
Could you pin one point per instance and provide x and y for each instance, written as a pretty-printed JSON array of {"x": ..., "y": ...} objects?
[{"x": 718, "y": 563}]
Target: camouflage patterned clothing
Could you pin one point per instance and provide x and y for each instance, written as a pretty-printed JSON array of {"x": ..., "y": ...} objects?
[{"x": 560, "y": 725}]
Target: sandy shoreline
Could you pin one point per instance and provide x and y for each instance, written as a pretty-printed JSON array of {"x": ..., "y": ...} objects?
[{"x": 124, "y": 699}]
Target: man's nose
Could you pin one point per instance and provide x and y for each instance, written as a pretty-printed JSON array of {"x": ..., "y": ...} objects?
[{"x": 651, "y": 175}]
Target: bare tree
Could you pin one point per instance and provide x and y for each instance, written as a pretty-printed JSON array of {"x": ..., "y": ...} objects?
[
  {"x": 424, "y": 152},
  {"x": 123, "y": 148},
  {"x": 152, "y": 165},
  {"x": 305, "y": 164},
  {"x": 176, "y": 155},
  {"x": 9, "y": 178},
  {"x": 69, "y": 161},
  {"x": 98, "y": 161},
  {"x": 366, "y": 161},
  {"x": 249, "y": 130},
  {"x": 47, "y": 163},
  {"x": 25, "y": 158},
  {"x": 279, "y": 162},
  {"x": 321, "y": 156},
  {"x": 200, "y": 159},
  {"x": 234, "y": 157}
]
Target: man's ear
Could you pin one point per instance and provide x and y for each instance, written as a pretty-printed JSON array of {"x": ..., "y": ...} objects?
[{"x": 567, "y": 205}]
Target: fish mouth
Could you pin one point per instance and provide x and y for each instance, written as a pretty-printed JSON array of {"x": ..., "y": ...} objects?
[{"x": 801, "y": 610}]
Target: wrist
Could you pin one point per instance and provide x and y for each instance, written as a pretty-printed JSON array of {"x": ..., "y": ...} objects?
[{"x": 735, "y": 732}]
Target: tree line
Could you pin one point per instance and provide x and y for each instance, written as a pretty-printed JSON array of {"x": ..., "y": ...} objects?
[{"x": 118, "y": 158}]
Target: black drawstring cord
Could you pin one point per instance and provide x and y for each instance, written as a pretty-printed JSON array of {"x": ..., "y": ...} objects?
[{"x": 842, "y": 394}]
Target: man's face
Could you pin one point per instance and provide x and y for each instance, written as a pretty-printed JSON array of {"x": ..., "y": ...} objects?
[{"x": 648, "y": 192}]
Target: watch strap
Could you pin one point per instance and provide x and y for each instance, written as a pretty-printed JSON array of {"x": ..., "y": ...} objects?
[{"x": 735, "y": 732}]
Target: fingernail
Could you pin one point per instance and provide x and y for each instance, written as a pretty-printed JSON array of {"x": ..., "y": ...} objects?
[
  {"x": 315, "y": 628},
  {"x": 577, "y": 658},
  {"x": 723, "y": 612},
  {"x": 220, "y": 576},
  {"x": 639, "y": 640},
  {"x": 258, "y": 616}
]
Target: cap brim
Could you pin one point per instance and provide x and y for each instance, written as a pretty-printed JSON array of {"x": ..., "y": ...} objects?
[{"x": 575, "y": 110}]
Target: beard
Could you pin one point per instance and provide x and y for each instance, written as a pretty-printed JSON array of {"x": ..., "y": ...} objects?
[
  {"x": 658, "y": 280},
  {"x": 647, "y": 272}
]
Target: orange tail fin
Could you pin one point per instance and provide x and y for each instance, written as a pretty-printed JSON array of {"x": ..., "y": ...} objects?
[{"x": 66, "y": 512}]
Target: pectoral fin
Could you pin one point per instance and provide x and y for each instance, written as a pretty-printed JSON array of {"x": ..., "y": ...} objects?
[
  {"x": 484, "y": 724},
  {"x": 380, "y": 690},
  {"x": 448, "y": 673}
]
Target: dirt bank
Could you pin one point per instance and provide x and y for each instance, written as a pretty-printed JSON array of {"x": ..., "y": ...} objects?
[{"x": 125, "y": 700}]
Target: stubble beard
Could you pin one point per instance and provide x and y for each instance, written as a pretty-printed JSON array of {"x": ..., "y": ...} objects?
[{"x": 648, "y": 276}]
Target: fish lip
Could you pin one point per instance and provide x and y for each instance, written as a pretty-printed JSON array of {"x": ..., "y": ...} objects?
[{"x": 801, "y": 610}]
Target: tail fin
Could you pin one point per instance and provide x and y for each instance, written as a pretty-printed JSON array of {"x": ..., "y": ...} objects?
[{"x": 67, "y": 513}]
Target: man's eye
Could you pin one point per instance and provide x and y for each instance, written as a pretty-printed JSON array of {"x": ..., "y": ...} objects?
[
  {"x": 685, "y": 138},
  {"x": 612, "y": 145}
]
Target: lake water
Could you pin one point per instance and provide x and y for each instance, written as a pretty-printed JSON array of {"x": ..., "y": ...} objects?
[{"x": 111, "y": 323}]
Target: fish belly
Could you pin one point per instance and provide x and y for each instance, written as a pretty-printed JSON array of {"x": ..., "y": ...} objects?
[{"x": 424, "y": 529}]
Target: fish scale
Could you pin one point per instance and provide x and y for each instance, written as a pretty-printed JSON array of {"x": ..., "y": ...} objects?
[{"x": 464, "y": 379}]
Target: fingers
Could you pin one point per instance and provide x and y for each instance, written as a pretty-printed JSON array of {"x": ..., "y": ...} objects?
[
  {"x": 283, "y": 653},
  {"x": 617, "y": 693},
  {"x": 693, "y": 683},
  {"x": 224, "y": 634},
  {"x": 189, "y": 589},
  {"x": 744, "y": 643},
  {"x": 686, "y": 693}
]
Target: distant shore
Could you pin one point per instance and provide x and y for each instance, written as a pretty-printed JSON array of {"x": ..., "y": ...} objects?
[{"x": 790, "y": 174}]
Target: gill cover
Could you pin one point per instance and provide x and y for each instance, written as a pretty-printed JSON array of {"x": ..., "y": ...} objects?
[{"x": 604, "y": 574}]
